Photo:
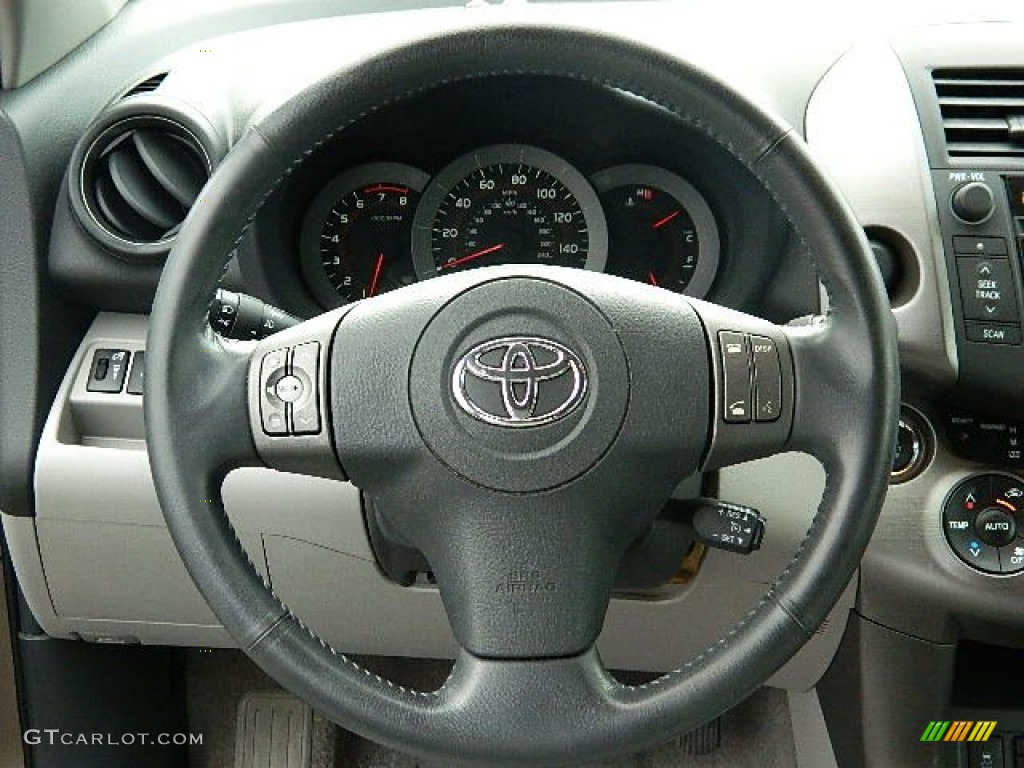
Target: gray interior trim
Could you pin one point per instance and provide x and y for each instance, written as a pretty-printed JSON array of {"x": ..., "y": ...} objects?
[
  {"x": 805, "y": 669},
  {"x": 881, "y": 691},
  {"x": 23, "y": 546},
  {"x": 862, "y": 124},
  {"x": 23, "y": 549},
  {"x": 11, "y": 751},
  {"x": 810, "y": 732},
  {"x": 36, "y": 34}
]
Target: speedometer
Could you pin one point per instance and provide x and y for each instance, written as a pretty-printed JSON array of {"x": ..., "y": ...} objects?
[{"x": 508, "y": 204}]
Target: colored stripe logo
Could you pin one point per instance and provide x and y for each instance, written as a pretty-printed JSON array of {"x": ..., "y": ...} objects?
[{"x": 959, "y": 730}]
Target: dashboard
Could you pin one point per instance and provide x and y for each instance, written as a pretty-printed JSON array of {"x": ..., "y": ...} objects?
[{"x": 903, "y": 112}]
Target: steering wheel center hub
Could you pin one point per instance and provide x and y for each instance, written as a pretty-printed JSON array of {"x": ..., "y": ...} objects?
[{"x": 519, "y": 385}]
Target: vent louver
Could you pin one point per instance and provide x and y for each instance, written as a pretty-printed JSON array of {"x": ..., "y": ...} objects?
[
  {"x": 982, "y": 111},
  {"x": 140, "y": 177},
  {"x": 148, "y": 85}
]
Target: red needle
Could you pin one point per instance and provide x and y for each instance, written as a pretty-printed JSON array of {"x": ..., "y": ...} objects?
[
  {"x": 376, "y": 274},
  {"x": 653, "y": 279},
  {"x": 662, "y": 222},
  {"x": 470, "y": 257}
]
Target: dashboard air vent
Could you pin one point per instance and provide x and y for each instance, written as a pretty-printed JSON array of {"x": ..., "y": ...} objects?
[
  {"x": 982, "y": 111},
  {"x": 140, "y": 177},
  {"x": 148, "y": 85}
]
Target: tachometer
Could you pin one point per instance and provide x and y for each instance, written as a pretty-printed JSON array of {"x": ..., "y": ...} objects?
[
  {"x": 661, "y": 231},
  {"x": 508, "y": 204},
  {"x": 356, "y": 237}
]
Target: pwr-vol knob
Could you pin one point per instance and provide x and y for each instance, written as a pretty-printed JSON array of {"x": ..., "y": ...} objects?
[{"x": 973, "y": 202}]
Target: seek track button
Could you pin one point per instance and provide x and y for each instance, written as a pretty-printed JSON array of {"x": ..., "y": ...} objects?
[{"x": 986, "y": 290}]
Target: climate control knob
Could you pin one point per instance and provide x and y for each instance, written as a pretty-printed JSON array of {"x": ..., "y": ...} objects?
[
  {"x": 983, "y": 519},
  {"x": 973, "y": 202}
]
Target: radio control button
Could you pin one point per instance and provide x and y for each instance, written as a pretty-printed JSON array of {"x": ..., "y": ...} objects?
[
  {"x": 993, "y": 333},
  {"x": 973, "y": 202},
  {"x": 979, "y": 246},
  {"x": 273, "y": 410},
  {"x": 986, "y": 290}
]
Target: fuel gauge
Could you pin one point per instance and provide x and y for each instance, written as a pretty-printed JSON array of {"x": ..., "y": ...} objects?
[{"x": 660, "y": 229}]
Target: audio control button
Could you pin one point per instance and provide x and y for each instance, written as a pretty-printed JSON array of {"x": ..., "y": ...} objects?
[
  {"x": 992, "y": 333},
  {"x": 973, "y": 202},
  {"x": 306, "y": 410},
  {"x": 767, "y": 379},
  {"x": 986, "y": 290},
  {"x": 979, "y": 246},
  {"x": 273, "y": 410}
]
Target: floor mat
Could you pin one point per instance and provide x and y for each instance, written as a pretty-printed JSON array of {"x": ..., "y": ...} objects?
[{"x": 756, "y": 733}]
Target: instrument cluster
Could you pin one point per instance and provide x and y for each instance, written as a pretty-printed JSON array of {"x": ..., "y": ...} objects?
[{"x": 380, "y": 226}]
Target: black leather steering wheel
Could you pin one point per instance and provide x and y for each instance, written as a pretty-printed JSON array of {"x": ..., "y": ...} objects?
[{"x": 491, "y": 505}]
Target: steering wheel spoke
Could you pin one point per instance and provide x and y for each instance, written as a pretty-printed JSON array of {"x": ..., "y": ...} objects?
[
  {"x": 829, "y": 376},
  {"x": 545, "y": 698},
  {"x": 209, "y": 377}
]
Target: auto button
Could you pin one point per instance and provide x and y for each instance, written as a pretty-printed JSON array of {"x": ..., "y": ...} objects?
[{"x": 995, "y": 526}]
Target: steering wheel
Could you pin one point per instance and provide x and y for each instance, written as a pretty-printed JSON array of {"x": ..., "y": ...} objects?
[{"x": 588, "y": 378}]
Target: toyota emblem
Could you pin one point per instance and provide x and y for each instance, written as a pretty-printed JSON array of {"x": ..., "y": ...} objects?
[{"x": 519, "y": 381}]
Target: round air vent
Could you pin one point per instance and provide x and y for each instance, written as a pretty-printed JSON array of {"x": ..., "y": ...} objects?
[{"x": 135, "y": 176}]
